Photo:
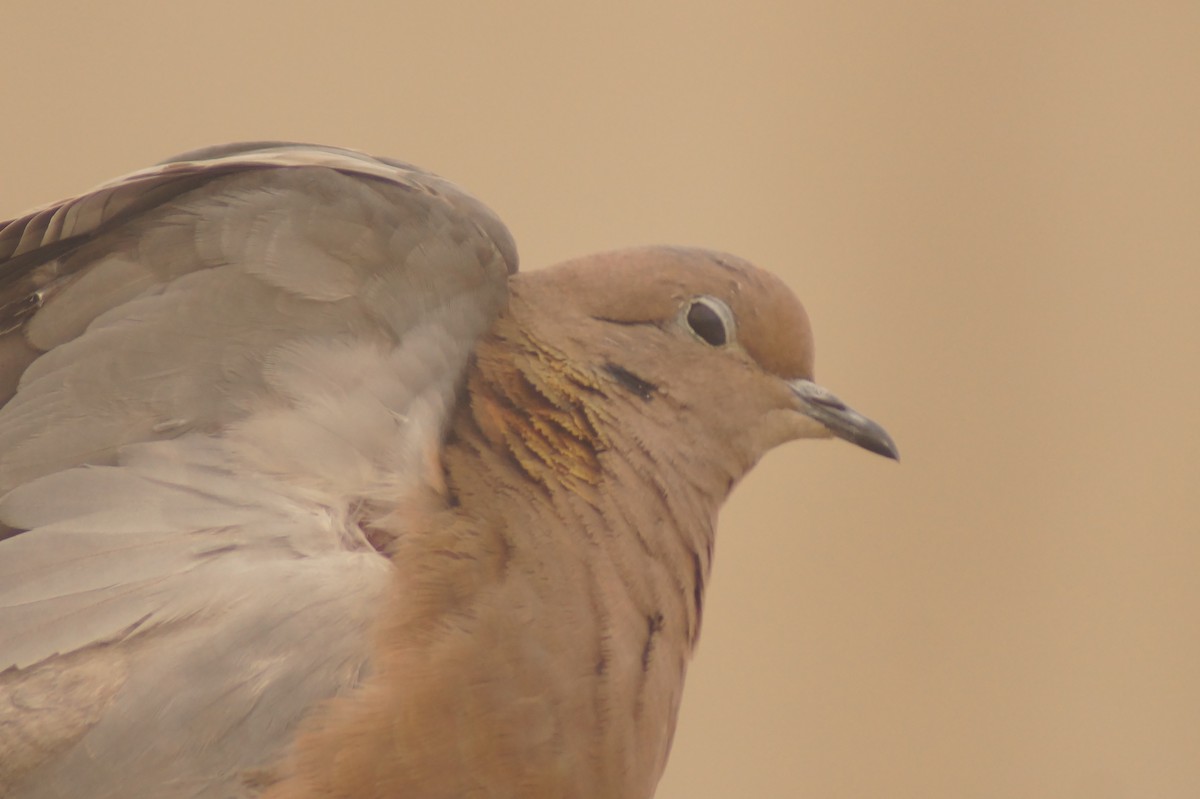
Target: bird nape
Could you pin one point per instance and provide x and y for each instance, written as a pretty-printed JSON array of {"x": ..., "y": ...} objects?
[{"x": 306, "y": 492}]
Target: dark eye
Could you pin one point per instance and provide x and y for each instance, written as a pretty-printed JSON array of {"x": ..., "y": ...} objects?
[{"x": 711, "y": 320}]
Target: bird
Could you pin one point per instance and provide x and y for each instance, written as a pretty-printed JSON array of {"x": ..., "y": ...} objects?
[{"x": 306, "y": 491}]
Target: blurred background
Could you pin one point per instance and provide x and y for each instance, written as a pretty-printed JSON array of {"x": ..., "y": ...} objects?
[{"x": 992, "y": 212}]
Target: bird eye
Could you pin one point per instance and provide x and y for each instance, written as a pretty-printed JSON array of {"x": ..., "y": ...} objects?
[{"x": 711, "y": 320}]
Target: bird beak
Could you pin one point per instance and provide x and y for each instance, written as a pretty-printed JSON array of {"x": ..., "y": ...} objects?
[{"x": 843, "y": 421}]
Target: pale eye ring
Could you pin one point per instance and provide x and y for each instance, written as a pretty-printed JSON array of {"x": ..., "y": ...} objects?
[{"x": 710, "y": 320}]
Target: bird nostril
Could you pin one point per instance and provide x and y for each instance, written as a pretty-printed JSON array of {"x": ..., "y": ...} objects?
[
  {"x": 830, "y": 401},
  {"x": 818, "y": 395}
]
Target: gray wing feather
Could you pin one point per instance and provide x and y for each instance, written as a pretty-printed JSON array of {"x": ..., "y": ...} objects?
[{"x": 209, "y": 369}]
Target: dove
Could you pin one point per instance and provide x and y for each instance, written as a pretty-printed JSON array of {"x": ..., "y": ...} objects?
[{"x": 307, "y": 492}]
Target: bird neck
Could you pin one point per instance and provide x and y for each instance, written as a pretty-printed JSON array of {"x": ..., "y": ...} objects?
[
  {"x": 528, "y": 406},
  {"x": 613, "y": 537},
  {"x": 564, "y": 445}
]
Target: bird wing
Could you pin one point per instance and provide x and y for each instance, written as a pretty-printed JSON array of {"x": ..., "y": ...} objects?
[{"x": 211, "y": 371}]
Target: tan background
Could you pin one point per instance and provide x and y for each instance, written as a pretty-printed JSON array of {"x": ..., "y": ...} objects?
[{"x": 993, "y": 214}]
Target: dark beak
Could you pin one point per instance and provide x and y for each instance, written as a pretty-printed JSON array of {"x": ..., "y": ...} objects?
[{"x": 843, "y": 421}]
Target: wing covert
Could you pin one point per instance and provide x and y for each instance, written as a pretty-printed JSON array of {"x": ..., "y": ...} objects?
[{"x": 194, "y": 279}]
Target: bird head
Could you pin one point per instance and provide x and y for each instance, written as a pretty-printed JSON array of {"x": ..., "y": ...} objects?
[{"x": 724, "y": 348}]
